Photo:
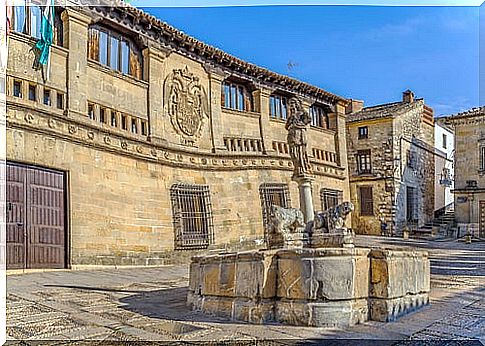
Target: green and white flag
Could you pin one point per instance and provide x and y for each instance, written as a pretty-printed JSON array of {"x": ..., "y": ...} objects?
[{"x": 44, "y": 44}]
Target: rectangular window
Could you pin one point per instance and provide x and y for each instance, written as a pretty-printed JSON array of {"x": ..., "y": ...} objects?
[
  {"x": 134, "y": 128},
  {"x": 330, "y": 198},
  {"x": 143, "y": 128},
  {"x": 103, "y": 48},
  {"x": 32, "y": 92},
  {"x": 482, "y": 158},
  {"x": 364, "y": 161},
  {"x": 444, "y": 141},
  {"x": 278, "y": 107},
  {"x": 114, "y": 47},
  {"x": 236, "y": 97},
  {"x": 192, "y": 216},
  {"x": 102, "y": 115},
  {"x": 19, "y": 16},
  {"x": 60, "y": 100},
  {"x": 273, "y": 193},
  {"x": 363, "y": 132},
  {"x": 318, "y": 117},
  {"x": 124, "y": 125},
  {"x": 47, "y": 97},
  {"x": 113, "y": 119},
  {"x": 411, "y": 159},
  {"x": 125, "y": 57},
  {"x": 91, "y": 111},
  {"x": 17, "y": 88},
  {"x": 35, "y": 21},
  {"x": 366, "y": 201}
]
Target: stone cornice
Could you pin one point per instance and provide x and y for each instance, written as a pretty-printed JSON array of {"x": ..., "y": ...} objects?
[
  {"x": 133, "y": 19},
  {"x": 81, "y": 133},
  {"x": 466, "y": 119}
]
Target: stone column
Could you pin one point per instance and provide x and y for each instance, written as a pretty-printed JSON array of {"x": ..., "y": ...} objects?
[
  {"x": 306, "y": 200},
  {"x": 340, "y": 136},
  {"x": 216, "y": 77},
  {"x": 261, "y": 99},
  {"x": 76, "y": 40},
  {"x": 153, "y": 61}
]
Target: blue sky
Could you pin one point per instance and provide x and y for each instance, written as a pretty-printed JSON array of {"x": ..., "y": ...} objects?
[{"x": 371, "y": 53}]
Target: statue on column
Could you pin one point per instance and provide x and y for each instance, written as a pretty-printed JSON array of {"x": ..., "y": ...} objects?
[{"x": 297, "y": 124}]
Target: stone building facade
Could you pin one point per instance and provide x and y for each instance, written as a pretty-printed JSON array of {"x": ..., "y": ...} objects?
[
  {"x": 444, "y": 166},
  {"x": 469, "y": 190},
  {"x": 391, "y": 165},
  {"x": 142, "y": 140}
]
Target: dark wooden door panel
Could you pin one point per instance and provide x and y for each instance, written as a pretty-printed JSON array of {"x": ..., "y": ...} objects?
[
  {"x": 35, "y": 209},
  {"x": 15, "y": 215}
]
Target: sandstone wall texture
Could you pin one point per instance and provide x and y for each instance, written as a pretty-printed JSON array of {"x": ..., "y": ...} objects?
[
  {"x": 119, "y": 180},
  {"x": 400, "y": 137}
]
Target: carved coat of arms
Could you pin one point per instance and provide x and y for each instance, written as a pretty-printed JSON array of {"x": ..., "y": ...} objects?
[{"x": 185, "y": 100}]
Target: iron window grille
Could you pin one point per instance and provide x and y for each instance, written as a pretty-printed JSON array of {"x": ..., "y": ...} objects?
[
  {"x": 330, "y": 198},
  {"x": 482, "y": 158},
  {"x": 192, "y": 216},
  {"x": 273, "y": 194}
]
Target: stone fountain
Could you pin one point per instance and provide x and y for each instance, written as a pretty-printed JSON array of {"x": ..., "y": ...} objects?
[{"x": 311, "y": 274}]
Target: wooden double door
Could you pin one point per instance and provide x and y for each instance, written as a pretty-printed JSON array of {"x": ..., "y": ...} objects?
[{"x": 36, "y": 232}]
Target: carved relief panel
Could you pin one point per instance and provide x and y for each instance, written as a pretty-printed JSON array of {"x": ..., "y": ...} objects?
[{"x": 185, "y": 101}]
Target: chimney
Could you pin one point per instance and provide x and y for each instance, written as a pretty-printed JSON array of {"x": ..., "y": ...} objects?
[
  {"x": 354, "y": 106},
  {"x": 408, "y": 96}
]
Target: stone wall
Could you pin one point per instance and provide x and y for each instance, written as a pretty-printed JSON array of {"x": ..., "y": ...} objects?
[
  {"x": 119, "y": 181},
  {"x": 310, "y": 287}
]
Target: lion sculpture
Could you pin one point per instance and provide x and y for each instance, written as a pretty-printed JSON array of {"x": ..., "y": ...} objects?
[
  {"x": 286, "y": 227},
  {"x": 332, "y": 219}
]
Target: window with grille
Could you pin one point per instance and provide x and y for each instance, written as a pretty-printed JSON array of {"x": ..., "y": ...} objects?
[
  {"x": 363, "y": 161},
  {"x": 330, "y": 198},
  {"x": 318, "y": 117},
  {"x": 277, "y": 107},
  {"x": 366, "y": 201},
  {"x": 236, "y": 96},
  {"x": 273, "y": 193},
  {"x": 192, "y": 216}
]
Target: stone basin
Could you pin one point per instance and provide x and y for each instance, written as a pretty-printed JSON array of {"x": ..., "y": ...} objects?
[{"x": 322, "y": 287}]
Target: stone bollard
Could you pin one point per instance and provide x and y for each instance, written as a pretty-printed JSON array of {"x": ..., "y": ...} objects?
[
  {"x": 468, "y": 238},
  {"x": 405, "y": 233}
]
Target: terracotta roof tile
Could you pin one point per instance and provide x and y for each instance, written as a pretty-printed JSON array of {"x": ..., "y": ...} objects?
[{"x": 382, "y": 111}]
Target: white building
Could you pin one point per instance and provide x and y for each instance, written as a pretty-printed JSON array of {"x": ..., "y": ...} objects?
[{"x": 444, "y": 169}]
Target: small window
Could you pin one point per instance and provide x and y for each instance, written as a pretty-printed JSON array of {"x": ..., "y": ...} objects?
[
  {"x": 363, "y": 132},
  {"x": 273, "y": 193},
  {"x": 102, "y": 115},
  {"x": 277, "y": 107},
  {"x": 124, "y": 125},
  {"x": 366, "y": 201},
  {"x": 363, "y": 161},
  {"x": 17, "y": 88},
  {"x": 32, "y": 92},
  {"x": 482, "y": 158},
  {"x": 143, "y": 128},
  {"x": 47, "y": 97},
  {"x": 134, "y": 128},
  {"x": 192, "y": 216},
  {"x": 113, "y": 122},
  {"x": 91, "y": 111},
  {"x": 318, "y": 117},
  {"x": 411, "y": 159},
  {"x": 235, "y": 96},
  {"x": 330, "y": 198},
  {"x": 444, "y": 141},
  {"x": 60, "y": 100}
]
